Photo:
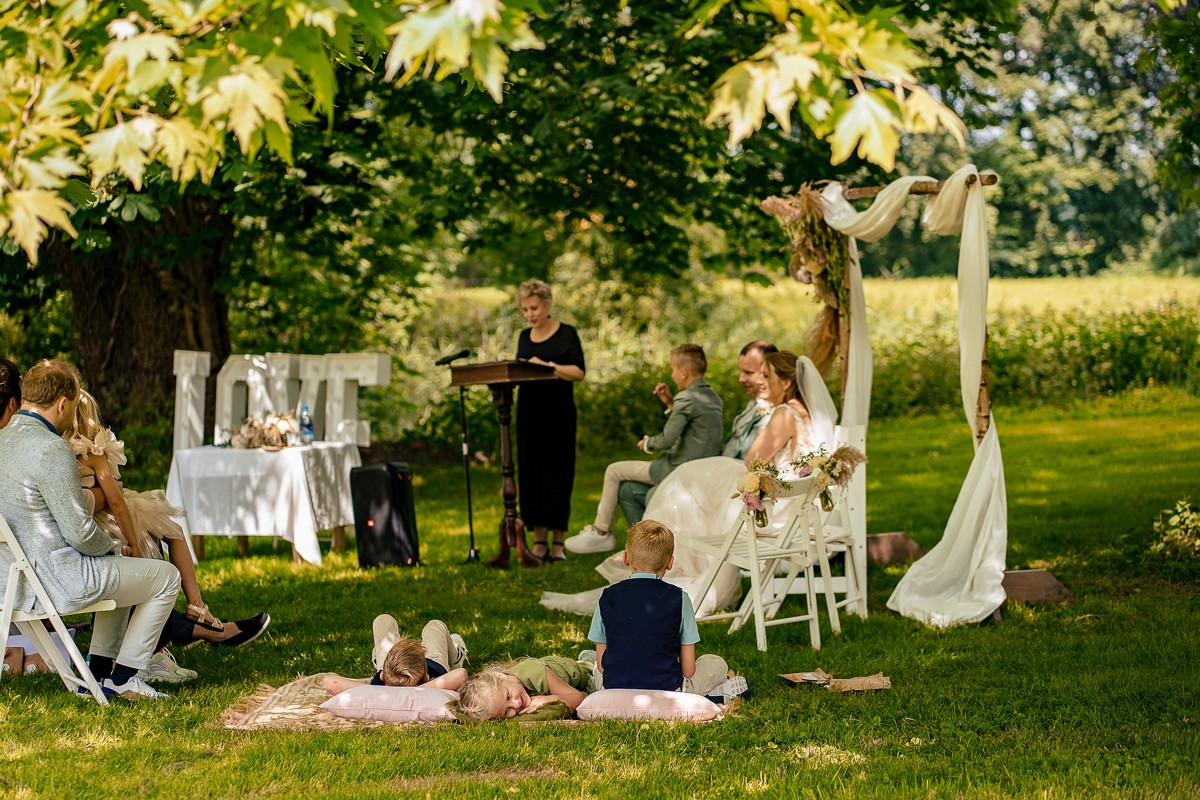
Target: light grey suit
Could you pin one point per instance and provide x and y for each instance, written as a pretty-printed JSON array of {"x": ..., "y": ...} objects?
[
  {"x": 746, "y": 428},
  {"x": 42, "y": 501},
  {"x": 693, "y": 429}
]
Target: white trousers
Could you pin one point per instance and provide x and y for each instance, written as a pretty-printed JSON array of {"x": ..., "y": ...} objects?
[
  {"x": 615, "y": 473},
  {"x": 151, "y": 586}
]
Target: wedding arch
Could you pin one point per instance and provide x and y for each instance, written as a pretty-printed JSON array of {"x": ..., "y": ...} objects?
[{"x": 960, "y": 579}]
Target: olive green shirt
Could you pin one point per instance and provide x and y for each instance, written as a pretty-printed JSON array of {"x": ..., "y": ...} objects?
[{"x": 532, "y": 673}]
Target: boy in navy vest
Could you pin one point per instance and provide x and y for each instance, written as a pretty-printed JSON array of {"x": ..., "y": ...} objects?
[{"x": 645, "y": 628}]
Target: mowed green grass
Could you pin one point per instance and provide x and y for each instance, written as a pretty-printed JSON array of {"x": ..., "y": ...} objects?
[{"x": 1097, "y": 698}]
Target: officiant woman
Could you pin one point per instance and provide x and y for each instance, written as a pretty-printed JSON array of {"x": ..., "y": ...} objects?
[{"x": 546, "y": 421}]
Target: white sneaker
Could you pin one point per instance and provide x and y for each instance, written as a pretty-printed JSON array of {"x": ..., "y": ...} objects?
[
  {"x": 590, "y": 540},
  {"x": 734, "y": 687},
  {"x": 163, "y": 669},
  {"x": 133, "y": 689},
  {"x": 460, "y": 651}
]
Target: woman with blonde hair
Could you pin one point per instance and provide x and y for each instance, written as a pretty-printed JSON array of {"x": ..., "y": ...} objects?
[
  {"x": 143, "y": 522},
  {"x": 546, "y": 421}
]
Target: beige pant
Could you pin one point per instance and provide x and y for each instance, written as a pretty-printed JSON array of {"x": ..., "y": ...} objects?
[
  {"x": 711, "y": 672},
  {"x": 435, "y": 638},
  {"x": 615, "y": 473},
  {"x": 151, "y": 585}
]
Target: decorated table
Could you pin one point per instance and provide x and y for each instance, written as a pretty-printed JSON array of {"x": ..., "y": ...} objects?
[{"x": 292, "y": 492}]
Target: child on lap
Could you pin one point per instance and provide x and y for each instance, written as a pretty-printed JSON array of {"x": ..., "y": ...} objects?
[
  {"x": 436, "y": 661},
  {"x": 524, "y": 686},
  {"x": 645, "y": 629}
]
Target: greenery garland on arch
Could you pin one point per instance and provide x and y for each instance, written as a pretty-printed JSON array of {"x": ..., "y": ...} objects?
[{"x": 820, "y": 257}]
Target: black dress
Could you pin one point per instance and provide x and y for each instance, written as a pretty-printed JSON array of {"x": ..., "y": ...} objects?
[{"x": 546, "y": 432}]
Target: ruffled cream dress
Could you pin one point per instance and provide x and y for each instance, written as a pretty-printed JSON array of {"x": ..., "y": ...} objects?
[{"x": 150, "y": 510}]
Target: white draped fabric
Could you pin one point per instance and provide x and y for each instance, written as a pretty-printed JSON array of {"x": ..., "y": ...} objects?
[{"x": 959, "y": 580}]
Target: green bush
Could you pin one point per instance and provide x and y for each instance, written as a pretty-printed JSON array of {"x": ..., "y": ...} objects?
[{"x": 1176, "y": 549}]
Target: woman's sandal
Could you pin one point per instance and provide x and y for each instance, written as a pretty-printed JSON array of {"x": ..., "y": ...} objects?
[
  {"x": 204, "y": 618},
  {"x": 542, "y": 556},
  {"x": 550, "y": 557}
]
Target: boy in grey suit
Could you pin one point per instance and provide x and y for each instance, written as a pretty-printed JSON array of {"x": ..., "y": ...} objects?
[
  {"x": 693, "y": 430},
  {"x": 42, "y": 501},
  {"x": 634, "y": 496}
]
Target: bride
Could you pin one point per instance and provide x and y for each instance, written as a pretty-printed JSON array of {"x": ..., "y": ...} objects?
[{"x": 694, "y": 500}]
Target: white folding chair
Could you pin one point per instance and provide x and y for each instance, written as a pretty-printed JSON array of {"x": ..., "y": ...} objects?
[
  {"x": 829, "y": 533},
  {"x": 30, "y": 622},
  {"x": 745, "y": 549}
]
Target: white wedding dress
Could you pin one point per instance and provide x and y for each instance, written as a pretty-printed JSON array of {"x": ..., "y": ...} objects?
[{"x": 696, "y": 499}]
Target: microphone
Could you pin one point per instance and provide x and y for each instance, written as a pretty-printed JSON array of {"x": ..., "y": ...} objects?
[{"x": 444, "y": 360}]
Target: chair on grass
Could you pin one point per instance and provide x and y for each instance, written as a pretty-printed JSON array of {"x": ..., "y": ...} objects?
[
  {"x": 30, "y": 622},
  {"x": 761, "y": 555},
  {"x": 829, "y": 533},
  {"x": 837, "y": 531}
]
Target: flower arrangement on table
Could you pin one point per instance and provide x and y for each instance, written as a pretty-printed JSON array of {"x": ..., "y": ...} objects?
[
  {"x": 272, "y": 432},
  {"x": 835, "y": 468},
  {"x": 761, "y": 485}
]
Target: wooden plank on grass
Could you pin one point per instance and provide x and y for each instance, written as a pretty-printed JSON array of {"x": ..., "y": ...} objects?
[
  {"x": 1035, "y": 586},
  {"x": 889, "y": 548}
]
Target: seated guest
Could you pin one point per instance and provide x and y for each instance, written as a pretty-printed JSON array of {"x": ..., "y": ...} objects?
[
  {"x": 10, "y": 390},
  {"x": 42, "y": 501},
  {"x": 645, "y": 629},
  {"x": 143, "y": 521},
  {"x": 633, "y": 496},
  {"x": 693, "y": 430}
]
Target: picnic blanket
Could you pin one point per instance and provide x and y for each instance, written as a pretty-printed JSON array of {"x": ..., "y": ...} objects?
[{"x": 295, "y": 706}]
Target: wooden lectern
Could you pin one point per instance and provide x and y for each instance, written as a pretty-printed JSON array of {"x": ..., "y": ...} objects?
[{"x": 501, "y": 377}]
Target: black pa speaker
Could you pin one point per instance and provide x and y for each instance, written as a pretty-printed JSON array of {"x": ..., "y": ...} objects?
[{"x": 385, "y": 521}]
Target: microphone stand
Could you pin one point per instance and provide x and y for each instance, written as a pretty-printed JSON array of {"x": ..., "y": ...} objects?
[{"x": 472, "y": 553}]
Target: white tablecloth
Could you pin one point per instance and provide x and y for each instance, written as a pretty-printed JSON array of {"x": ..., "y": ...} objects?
[{"x": 292, "y": 493}]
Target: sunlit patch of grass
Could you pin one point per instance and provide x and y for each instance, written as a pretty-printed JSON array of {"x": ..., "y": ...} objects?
[{"x": 823, "y": 755}]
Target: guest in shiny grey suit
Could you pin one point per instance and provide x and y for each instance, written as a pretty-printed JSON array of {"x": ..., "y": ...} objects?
[
  {"x": 633, "y": 496},
  {"x": 42, "y": 502}
]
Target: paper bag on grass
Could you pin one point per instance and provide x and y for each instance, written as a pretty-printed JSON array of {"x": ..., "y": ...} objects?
[{"x": 820, "y": 677}]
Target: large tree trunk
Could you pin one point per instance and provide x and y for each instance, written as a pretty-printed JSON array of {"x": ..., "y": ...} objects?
[{"x": 152, "y": 292}]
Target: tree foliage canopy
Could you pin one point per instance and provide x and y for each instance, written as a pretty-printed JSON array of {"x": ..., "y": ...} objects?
[{"x": 90, "y": 89}]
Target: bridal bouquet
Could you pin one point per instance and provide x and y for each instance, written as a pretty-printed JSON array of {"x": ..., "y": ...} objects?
[
  {"x": 758, "y": 487},
  {"x": 836, "y": 468},
  {"x": 272, "y": 431}
]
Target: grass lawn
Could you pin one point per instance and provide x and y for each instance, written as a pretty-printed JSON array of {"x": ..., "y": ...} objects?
[{"x": 1098, "y": 698}]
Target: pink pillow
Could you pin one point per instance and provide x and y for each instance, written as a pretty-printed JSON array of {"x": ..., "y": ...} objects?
[
  {"x": 647, "y": 704},
  {"x": 392, "y": 704}
]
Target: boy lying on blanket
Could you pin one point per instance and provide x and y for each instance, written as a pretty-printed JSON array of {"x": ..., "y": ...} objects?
[{"x": 435, "y": 662}]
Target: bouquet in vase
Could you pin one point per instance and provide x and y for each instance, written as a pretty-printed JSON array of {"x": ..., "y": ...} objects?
[
  {"x": 758, "y": 487},
  {"x": 836, "y": 468},
  {"x": 271, "y": 432}
]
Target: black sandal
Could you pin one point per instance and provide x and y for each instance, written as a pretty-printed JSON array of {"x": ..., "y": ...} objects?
[
  {"x": 550, "y": 557},
  {"x": 544, "y": 555}
]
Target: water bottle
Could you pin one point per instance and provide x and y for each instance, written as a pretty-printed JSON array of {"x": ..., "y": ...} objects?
[{"x": 306, "y": 426}]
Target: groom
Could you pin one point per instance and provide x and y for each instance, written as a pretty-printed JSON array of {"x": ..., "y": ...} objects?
[{"x": 633, "y": 496}]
